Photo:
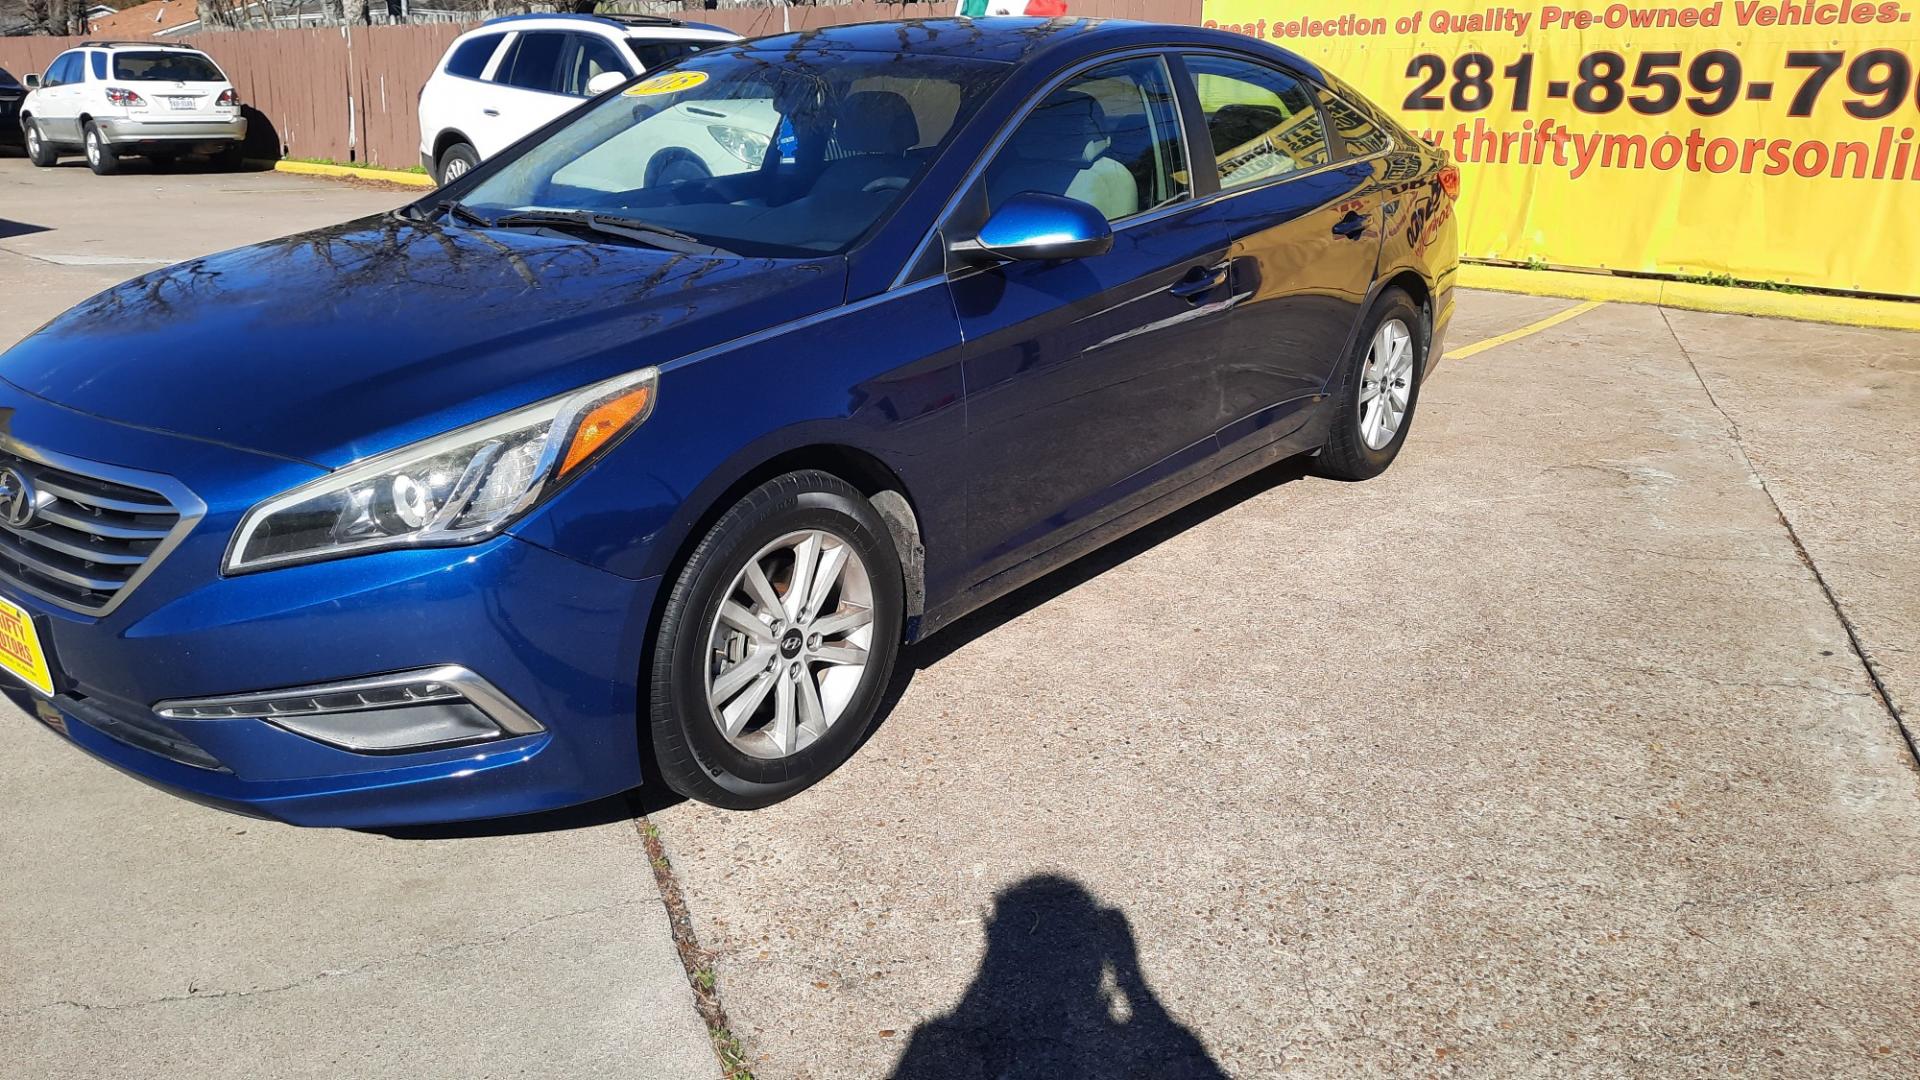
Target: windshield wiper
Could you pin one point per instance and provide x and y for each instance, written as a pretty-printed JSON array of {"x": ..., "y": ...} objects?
[
  {"x": 452, "y": 207},
  {"x": 651, "y": 235}
]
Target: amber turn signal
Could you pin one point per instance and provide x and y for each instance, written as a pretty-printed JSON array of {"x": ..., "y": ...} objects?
[{"x": 604, "y": 423}]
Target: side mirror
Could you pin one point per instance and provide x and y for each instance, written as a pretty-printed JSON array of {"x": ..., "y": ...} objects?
[
  {"x": 603, "y": 82},
  {"x": 31, "y": 82},
  {"x": 1031, "y": 225}
]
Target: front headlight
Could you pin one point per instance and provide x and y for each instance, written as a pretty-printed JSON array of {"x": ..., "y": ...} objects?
[
  {"x": 455, "y": 488},
  {"x": 748, "y": 146}
]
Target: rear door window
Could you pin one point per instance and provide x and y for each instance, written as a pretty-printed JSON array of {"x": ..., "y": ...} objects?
[
  {"x": 1361, "y": 134},
  {"x": 533, "y": 62},
  {"x": 165, "y": 66},
  {"x": 99, "y": 65},
  {"x": 1261, "y": 120},
  {"x": 470, "y": 59}
]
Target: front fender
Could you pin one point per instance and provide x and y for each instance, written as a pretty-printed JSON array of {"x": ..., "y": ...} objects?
[{"x": 881, "y": 377}]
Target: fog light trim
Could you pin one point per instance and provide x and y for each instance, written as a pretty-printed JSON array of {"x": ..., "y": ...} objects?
[{"x": 410, "y": 696}]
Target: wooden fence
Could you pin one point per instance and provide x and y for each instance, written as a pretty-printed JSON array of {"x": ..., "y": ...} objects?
[{"x": 351, "y": 93}]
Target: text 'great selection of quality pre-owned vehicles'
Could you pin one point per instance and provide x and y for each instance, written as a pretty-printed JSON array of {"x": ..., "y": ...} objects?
[{"x": 574, "y": 474}]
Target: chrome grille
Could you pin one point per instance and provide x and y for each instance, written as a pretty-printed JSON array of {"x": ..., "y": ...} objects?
[{"x": 89, "y": 539}]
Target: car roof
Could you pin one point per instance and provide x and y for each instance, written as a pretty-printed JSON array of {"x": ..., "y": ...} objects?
[
  {"x": 1016, "y": 39},
  {"x": 619, "y": 25},
  {"x": 172, "y": 45}
]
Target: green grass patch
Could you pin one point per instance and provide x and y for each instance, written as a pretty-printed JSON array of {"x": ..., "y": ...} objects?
[{"x": 358, "y": 165}]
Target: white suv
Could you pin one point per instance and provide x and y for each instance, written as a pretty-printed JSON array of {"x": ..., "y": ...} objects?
[
  {"x": 110, "y": 98},
  {"x": 514, "y": 74}
]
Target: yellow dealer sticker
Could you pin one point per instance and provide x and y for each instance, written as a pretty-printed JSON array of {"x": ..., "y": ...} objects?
[
  {"x": 671, "y": 83},
  {"x": 20, "y": 651}
]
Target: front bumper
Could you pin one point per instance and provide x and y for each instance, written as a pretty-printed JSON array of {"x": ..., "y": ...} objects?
[
  {"x": 560, "y": 639},
  {"x": 136, "y": 133}
]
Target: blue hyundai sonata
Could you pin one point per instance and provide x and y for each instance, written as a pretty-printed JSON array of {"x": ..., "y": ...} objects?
[{"x": 622, "y": 458}]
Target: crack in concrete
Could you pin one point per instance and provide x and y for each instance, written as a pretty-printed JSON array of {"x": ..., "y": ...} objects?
[
  {"x": 1880, "y": 690},
  {"x": 318, "y": 976}
]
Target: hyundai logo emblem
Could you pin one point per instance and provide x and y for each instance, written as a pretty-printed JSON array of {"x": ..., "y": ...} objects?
[{"x": 18, "y": 501}]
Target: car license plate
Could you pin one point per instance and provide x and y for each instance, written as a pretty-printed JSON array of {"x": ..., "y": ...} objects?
[
  {"x": 183, "y": 103},
  {"x": 20, "y": 651}
]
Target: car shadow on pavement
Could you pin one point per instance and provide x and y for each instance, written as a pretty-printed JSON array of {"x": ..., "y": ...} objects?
[
  {"x": 924, "y": 654},
  {"x": 1059, "y": 994}
]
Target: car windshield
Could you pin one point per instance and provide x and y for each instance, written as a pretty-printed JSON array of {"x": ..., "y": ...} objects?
[
  {"x": 776, "y": 155},
  {"x": 165, "y": 67}
]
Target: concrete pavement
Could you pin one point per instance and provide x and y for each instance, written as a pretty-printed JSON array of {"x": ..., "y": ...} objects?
[
  {"x": 1542, "y": 755},
  {"x": 143, "y": 936},
  {"x": 1545, "y": 754}
]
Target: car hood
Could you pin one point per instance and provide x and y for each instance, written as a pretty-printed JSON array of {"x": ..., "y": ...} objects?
[{"x": 335, "y": 344}]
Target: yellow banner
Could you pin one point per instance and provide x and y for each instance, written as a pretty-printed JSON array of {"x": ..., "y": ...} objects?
[{"x": 1771, "y": 140}]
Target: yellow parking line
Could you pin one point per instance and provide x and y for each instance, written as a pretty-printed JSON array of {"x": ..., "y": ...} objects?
[{"x": 1531, "y": 328}]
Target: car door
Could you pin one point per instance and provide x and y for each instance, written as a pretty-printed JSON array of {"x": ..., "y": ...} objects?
[
  {"x": 1305, "y": 220},
  {"x": 55, "y": 106},
  {"x": 1089, "y": 380},
  {"x": 526, "y": 92}
]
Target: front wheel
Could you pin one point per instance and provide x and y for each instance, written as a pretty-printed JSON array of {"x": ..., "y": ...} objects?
[
  {"x": 776, "y": 644},
  {"x": 39, "y": 151},
  {"x": 1379, "y": 388},
  {"x": 458, "y": 160},
  {"x": 101, "y": 156}
]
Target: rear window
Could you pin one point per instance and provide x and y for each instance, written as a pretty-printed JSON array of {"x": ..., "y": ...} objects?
[
  {"x": 7, "y": 80},
  {"x": 99, "y": 65},
  {"x": 470, "y": 59},
  {"x": 653, "y": 54},
  {"x": 166, "y": 66}
]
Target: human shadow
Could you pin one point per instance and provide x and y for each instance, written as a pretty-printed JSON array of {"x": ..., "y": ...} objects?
[{"x": 1060, "y": 995}]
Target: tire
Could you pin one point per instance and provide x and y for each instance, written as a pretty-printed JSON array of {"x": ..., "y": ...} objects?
[
  {"x": 751, "y": 768},
  {"x": 39, "y": 150},
  {"x": 675, "y": 166},
  {"x": 101, "y": 157},
  {"x": 1351, "y": 452},
  {"x": 457, "y": 161}
]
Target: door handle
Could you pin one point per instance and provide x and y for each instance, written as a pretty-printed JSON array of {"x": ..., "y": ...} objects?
[
  {"x": 490, "y": 112},
  {"x": 1353, "y": 226},
  {"x": 1199, "y": 281}
]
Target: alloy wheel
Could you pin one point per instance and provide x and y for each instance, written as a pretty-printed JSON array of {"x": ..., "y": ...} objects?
[
  {"x": 93, "y": 148},
  {"x": 454, "y": 170},
  {"x": 33, "y": 140},
  {"x": 1386, "y": 383},
  {"x": 789, "y": 646}
]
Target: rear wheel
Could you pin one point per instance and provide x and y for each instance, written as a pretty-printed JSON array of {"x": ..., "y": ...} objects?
[
  {"x": 1378, "y": 392},
  {"x": 39, "y": 151},
  {"x": 457, "y": 161},
  {"x": 101, "y": 157},
  {"x": 776, "y": 644}
]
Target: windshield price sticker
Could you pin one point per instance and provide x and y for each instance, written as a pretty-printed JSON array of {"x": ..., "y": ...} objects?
[{"x": 671, "y": 83}]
